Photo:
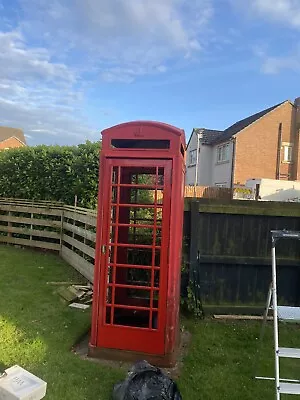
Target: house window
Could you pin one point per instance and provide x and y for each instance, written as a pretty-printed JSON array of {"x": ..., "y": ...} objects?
[
  {"x": 223, "y": 153},
  {"x": 288, "y": 153},
  {"x": 193, "y": 157}
]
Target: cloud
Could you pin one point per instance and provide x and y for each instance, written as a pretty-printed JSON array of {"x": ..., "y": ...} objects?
[
  {"x": 30, "y": 62},
  {"x": 284, "y": 11},
  {"x": 287, "y": 11},
  {"x": 136, "y": 36},
  {"x": 52, "y": 51},
  {"x": 272, "y": 65},
  {"x": 275, "y": 65},
  {"x": 35, "y": 92}
]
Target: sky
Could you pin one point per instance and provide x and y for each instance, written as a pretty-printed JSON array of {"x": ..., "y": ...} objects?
[{"x": 71, "y": 68}]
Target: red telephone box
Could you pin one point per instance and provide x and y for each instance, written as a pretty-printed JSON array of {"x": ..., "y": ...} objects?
[{"x": 139, "y": 239}]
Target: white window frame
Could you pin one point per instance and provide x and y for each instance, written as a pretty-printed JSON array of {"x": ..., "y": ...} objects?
[
  {"x": 288, "y": 153},
  {"x": 193, "y": 157},
  {"x": 223, "y": 153}
]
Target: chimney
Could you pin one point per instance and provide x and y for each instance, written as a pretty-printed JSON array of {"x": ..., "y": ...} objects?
[{"x": 296, "y": 168}]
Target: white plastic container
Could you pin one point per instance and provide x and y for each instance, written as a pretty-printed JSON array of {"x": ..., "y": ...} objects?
[{"x": 19, "y": 384}]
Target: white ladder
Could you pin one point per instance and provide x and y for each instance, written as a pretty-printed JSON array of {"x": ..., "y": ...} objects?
[{"x": 282, "y": 313}]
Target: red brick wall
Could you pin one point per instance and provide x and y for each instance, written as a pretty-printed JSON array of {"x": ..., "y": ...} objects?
[
  {"x": 256, "y": 146},
  {"x": 297, "y": 147},
  {"x": 10, "y": 143}
]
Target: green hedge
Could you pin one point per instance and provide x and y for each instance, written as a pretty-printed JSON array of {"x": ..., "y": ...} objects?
[{"x": 51, "y": 173}]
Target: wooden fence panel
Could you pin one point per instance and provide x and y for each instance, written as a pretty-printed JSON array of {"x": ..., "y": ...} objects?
[
  {"x": 29, "y": 209},
  {"x": 30, "y": 232},
  {"x": 52, "y": 226},
  {"x": 89, "y": 219},
  {"x": 208, "y": 192},
  {"x": 79, "y": 246},
  {"x": 230, "y": 251},
  {"x": 79, "y": 263},
  {"x": 31, "y": 221},
  {"x": 30, "y": 243},
  {"x": 83, "y": 232}
]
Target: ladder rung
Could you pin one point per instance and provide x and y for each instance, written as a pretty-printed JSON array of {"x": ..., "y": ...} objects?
[
  {"x": 289, "y": 388},
  {"x": 291, "y": 314},
  {"x": 267, "y": 378},
  {"x": 288, "y": 352},
  {"x": 286, "y": 234}
]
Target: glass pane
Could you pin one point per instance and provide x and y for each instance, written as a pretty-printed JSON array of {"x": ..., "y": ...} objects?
[
  {"x": 158, "y": 237},
  {"x": 109, "y": 295},
  {"x": 154, "y": 320},
  {"x": 112, "y": 234},
  {"x": 146, "y": 196},
  {"x": 145, "y": 214},
  {"x": 149, "y": 178},
  {"x": 114, "y": 194},
  {"x": 132, "y": 297},
  {"x": 136, "y": 277},
  {"x": 156, "y": 279},
  {"x": 109, "y": 274},
  {"x": 138, "y": 318},
  {"x": 113, "y": 214},
  {"x": 140, "y": 235},
  {"x": 108, "y": 315},
  {"x": 139, "y": 257},
  {"x": 115, "y": 174}
]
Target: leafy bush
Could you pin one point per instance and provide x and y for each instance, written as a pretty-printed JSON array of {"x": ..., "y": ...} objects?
[{"x": 51, "y": 173}]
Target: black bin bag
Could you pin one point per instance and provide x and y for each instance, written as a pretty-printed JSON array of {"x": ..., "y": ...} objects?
[{"x": 146, "y": 382}]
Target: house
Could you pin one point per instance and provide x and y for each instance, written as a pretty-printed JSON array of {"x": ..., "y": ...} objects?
[
  {"x": 264, "y": 145},
  {"x": 11, "y": 138}
]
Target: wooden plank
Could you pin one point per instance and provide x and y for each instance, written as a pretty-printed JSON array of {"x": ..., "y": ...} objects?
[
  {"x": 195, "y": 233},
  {"x": 241, "y": 260},
  {"x": 81, "y": 210},
  {"x": 28, "y": 231},
  {"x": 31, "y": 221},
  {"x": 31, "y": 209},
  {"x": 242, "y": 317},
  {"x": 80, "y": 264},
  {"x": 80, "y": 231},
  {"x": 28, "y": 201},
  {"x": 85, "y": 219},
  {"x": 79, "y": 245},
  {"x": 31, "y": 243}
]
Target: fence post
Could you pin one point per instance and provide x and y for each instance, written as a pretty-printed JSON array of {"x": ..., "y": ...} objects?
[
  {"x": 61, "y": 230},
  {"x": 194, "y": 211},
  {"x": 9, "y": 224}
]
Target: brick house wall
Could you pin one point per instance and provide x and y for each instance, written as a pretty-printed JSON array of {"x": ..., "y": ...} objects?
[
  {"x": 256, "y": 146},
  {"x": 11, "y": 142},
  {"x": 297, "y": 141}
]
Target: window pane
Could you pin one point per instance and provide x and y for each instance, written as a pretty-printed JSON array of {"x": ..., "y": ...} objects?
[
  {"x": 288, "y": 153},
  {"x": 193, "y": 156},
  {"x": 226, "y": 158}
]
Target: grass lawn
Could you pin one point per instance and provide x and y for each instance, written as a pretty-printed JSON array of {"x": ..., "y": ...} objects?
[{"x": 37, "y": 331}]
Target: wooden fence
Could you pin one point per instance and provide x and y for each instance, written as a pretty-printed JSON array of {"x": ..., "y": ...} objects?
[
  {"x": 220, "y": 193},
  {"x": 227, "y": 248},
  {"x": 226, "y": 244},
  {"x": 208, "y": 192},
  {"x": 53, "y": 226}
]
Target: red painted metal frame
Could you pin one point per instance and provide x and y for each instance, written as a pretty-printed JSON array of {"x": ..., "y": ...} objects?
[{"x": 161, "y": 339}]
